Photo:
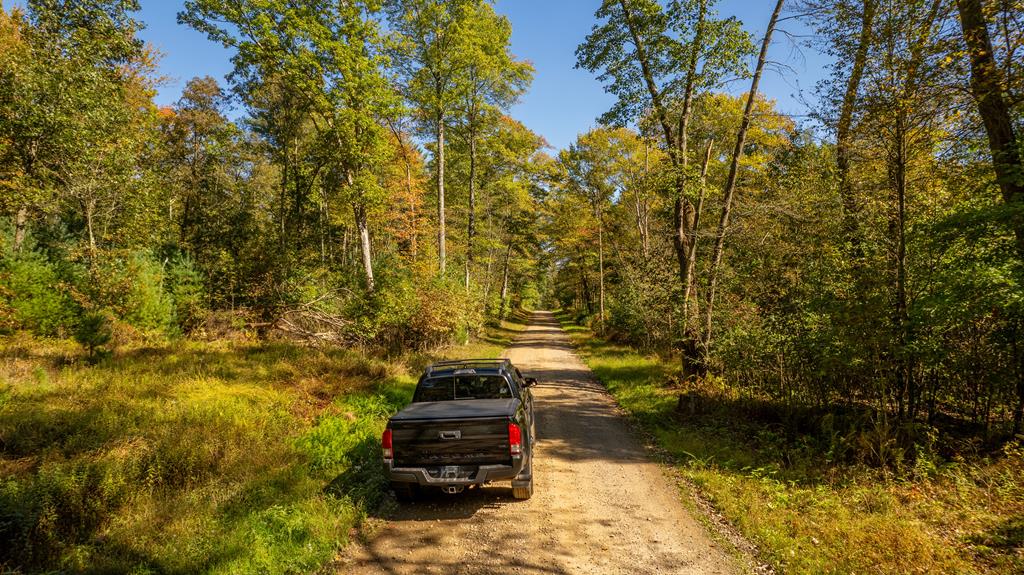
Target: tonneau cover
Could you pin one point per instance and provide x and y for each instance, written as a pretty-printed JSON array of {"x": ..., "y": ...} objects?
[{"x": 458, "y": 409}]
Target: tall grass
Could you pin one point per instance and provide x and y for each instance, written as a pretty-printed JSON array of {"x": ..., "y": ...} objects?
[
  {"x": 190, "y": 457},
  {"x": 810, "y": 510}
]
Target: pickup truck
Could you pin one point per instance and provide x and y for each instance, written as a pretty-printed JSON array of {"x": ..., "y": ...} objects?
[{"x": 470, "y": 423}]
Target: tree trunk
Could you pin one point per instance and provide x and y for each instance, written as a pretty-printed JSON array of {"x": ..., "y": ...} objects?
[
  {"x": 730, "y": 185},
  {"x": 698, "y": 211},
  {"x": 471, "y": 227},
  {"x": 440, "y": 197},
  {"x": 683, "y": 208},
  {"x": 694, "y": 366},
  {"x": 587, "y": 296},
  {"x": 851, "y": 226},
  {"x": 994, "y": 110},
  {"x": 89, "y": 208},
  {"x": 686, "y": 215},
  {"x": 413, "y": 244},
  {"x": 364, "y": 244},
  {"x": 20, "y": 227},
  {"x": 898, "y": 235},
  {"x": 683, "y": 211},
  {"x": 642, "y": 207},
  {"x": 504, "y": 282},
  {"x": 1018, "y": 410},
  {"x": 414, "y": 231},
  {"x": 323, "y": 226},
  {"x": 600, "y": 269}
]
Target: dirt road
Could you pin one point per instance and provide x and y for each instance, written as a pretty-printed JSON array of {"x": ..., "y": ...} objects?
[{"x": 600, "y": 505}]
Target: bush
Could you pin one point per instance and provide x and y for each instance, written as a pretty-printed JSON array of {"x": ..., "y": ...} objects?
[
  {"x": 132, "y": 287},
  {"x": 445, "y": 311},
  {"x": 31, "y": 296},
  {"x": 186, "y": 286},
  {"x": 94, "y": 331}
]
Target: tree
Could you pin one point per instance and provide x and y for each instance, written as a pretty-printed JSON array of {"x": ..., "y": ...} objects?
[
  {"x": 730, "y": 184},
  {"x": 592, "y": 173},
  {"x": 332, "y": 56},
  {"x": 852, "y": 49},
  {"x": 64, "y": 143},
  {"x": 651, "y": 58},
  {"x": 1004, "y": 143},
  {"x": 433, "y": 44},
  {"x": 495, "y": 80},
  {"x": 987, "y": 88}
]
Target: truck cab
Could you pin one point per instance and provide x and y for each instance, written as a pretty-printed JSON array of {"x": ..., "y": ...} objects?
[{"x": 470, "y": 423}]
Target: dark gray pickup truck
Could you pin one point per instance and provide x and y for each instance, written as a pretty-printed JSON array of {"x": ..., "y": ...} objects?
[{"x": 470, "y": 422}]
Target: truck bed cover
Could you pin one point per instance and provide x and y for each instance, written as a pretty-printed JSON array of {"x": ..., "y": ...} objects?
[{"x": 462, "y": 409}]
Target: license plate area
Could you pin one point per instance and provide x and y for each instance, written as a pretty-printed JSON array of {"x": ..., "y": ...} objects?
[{"x": 453, "y": 472}]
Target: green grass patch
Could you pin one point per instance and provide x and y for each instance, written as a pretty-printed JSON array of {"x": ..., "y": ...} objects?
[
  {"x": 193, "y": 457},
  {"x": 808, "y": 512}
]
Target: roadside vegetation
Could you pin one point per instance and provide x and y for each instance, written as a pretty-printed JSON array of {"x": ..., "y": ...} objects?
[
  {"x": 806, "y": 487},
  {"x": 206, "y": 308},
  {"x": 189, "y": 457},
  {"x": 820, "y": 320}
]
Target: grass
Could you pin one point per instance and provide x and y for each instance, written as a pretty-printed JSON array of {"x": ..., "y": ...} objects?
[
  {"x": 806, "y": 509},
  {"x": 193, "y": 457}
]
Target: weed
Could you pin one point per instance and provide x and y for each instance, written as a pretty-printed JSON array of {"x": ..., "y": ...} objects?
[{"x": 187, "y": 457}]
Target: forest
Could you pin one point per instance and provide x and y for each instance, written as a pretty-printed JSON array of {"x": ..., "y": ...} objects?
[{"x": 357, "y": 187}]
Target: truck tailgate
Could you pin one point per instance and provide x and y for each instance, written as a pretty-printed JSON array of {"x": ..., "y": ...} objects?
[{"x": 430, "y": 442}]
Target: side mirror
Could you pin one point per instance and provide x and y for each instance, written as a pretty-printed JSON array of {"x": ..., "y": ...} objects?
[{"x": 530, "y": 381}]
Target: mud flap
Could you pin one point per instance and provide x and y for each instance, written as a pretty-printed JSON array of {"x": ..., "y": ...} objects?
[{"x": 522, "y": 484}]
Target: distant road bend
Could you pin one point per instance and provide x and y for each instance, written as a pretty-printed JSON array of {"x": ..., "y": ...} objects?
[{"x": 600, "y": 505}]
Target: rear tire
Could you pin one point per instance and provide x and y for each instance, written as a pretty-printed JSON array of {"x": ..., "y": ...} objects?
[{"x": 406, "y": 492}]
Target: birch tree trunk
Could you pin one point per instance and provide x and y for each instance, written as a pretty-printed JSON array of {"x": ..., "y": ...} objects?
[
  {"x": 730, "y": 184},
  {"x": 20, "y": 227},
  {"x": 504, "y": 282},
  {"x": 600, "y": 268},
  {"x": 471, "y": 227},
  {"x": 699, "y": 210},
  {"x": 364, "y": 243},
  {"x": 440, "y": 197}
]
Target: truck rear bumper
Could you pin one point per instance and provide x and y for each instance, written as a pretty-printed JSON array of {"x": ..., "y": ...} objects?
[{"x": 484, "y": 474}]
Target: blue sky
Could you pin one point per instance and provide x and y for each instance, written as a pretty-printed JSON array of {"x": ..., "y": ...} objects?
[{"x": 562, "y": 102}]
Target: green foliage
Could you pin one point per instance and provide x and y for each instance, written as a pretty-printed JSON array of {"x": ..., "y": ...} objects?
[
  {"x": 133, "y": 287},
  {"x": 186, "y": 289},
  {"x": 191, "y": 457},
  {"x": 438, "y": 313},
  {"x": 94, "y": 331},
  {"x": 806, "y": 493},
  {"x": 32, "y": 288},
  {"x": 669, "y": 41}
]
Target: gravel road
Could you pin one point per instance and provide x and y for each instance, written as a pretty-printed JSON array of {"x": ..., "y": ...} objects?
[{"x": 600, "y": 505}]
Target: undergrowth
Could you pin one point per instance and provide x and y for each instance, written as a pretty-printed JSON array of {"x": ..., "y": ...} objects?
[
  {"x": 193, "y": 457},
  {"x": 814, "y": 499}
]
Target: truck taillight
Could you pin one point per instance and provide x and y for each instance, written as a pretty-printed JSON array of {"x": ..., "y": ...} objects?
[
  {"x": 515, "y": 440},
  {"x": 386, "y": 445}
]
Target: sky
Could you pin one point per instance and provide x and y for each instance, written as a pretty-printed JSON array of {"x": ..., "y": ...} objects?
[{"x": 563, "y": 101}]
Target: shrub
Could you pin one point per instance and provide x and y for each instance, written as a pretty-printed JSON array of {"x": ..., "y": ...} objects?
[
  {"x": 186, "y": 287},
  {"x": 94, "y": 331},
  {"x": 132, "y": 286},
  {"x": 30, "y": 286}
]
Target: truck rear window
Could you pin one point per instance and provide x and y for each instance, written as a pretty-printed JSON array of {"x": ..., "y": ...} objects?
[{"x": 457, "y": 387}]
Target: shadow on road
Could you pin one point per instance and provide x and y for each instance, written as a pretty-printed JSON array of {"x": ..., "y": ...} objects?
[{"x": 432, "y": 504}]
